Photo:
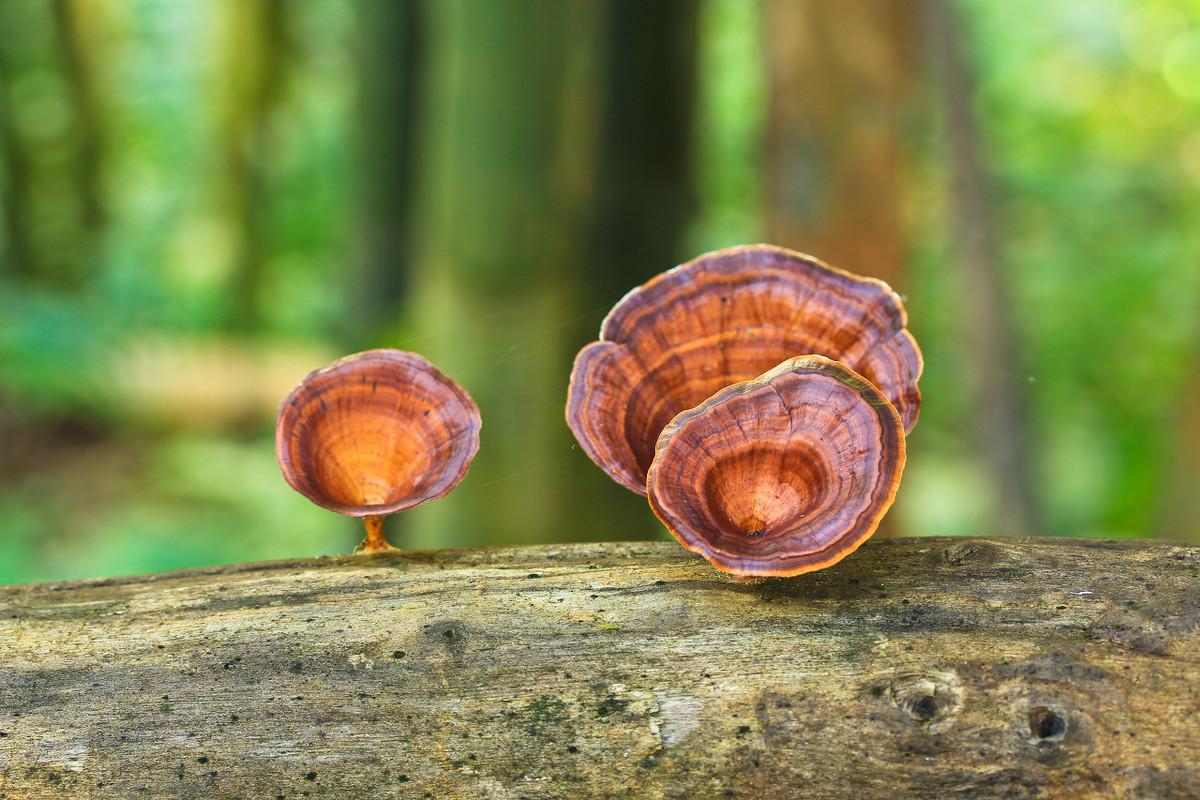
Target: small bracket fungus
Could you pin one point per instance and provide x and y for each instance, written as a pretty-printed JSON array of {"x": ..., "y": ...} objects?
[
  {"x": 375, "y": 433},
  {"x": 784, "y": 474},
  {"x": 725, "y": 317}
]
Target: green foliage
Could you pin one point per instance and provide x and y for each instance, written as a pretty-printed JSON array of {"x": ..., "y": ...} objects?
[
  {"x": 1092, "y": 138},
  {"x": 231, "y": 180}
]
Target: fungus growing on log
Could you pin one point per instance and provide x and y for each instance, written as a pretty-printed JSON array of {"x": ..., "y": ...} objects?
[
  {"x": 725, "y": 317},
  {"x": 375, "y": 433},
  {"x": 787, "y": 473}
]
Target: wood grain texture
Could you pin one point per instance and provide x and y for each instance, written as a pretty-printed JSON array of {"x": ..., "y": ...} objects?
[{"x": 916, "y": 669}]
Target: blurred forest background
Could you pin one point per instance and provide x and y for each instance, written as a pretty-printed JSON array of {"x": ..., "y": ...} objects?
[{"x": 203, "y": 200}]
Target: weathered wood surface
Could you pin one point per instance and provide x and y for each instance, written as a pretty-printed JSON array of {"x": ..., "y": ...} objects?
[{"x": 919, "y": 668}]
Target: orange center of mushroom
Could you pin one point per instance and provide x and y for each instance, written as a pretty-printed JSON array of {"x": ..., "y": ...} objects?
[
  {"x": 762, "y": 492},
  {"x": 375, "y": 433},
  {"x": 369, "y": 458}
]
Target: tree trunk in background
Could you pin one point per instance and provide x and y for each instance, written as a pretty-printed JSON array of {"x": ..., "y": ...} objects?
[
  {"x": 1179, "y": 509},
  {"x": 80, "y": 39},
  {"x": 18, "y": 256},
  {"x": 841, "y": 75},
  {"x": 50, "y": 171},
  {"x": 1002, "y": 419},
  {"x": 506, "y": 168},
  {"x": 644, "y": 196},
  {"x": 252, "y": 81},
  {"x": 390, "y": 39}
]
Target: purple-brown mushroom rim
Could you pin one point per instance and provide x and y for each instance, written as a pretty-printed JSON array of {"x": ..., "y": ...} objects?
[
  {"x": 375, "y": 433},
  {"x": 781, "y": 475},
  {"x": 722, "y": 318}
]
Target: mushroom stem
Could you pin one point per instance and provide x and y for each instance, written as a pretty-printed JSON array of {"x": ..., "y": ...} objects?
[{"x": 375, "y": 541}]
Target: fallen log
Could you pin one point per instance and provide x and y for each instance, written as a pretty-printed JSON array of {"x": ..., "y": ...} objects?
[{"x": 916, "y": 668}]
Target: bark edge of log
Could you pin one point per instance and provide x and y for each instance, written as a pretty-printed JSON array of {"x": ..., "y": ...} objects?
[{"x": 915, "y": 668}]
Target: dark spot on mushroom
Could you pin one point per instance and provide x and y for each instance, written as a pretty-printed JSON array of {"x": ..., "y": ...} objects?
[
  {"x": 743, "y": 729},
  {"x": 572, "y": 748},
  {"x": 399, "y": 654},
  {"x": 202, "y": 759},
  {"x": 425, "y": 413},
  {"x": 402, "y": 778},
  {"x": 310, "y": 776},
  {"x": 533, "y": 575},
  {"x": 296, "y": 668},
  {"x": 1046, "y": 724},
  {"x": 756, "y": 533}
]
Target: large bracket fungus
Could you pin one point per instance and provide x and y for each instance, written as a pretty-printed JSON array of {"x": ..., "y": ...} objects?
[
  {"x": 783, "y": 474},
  {"x": 375, "y": 433},
  {"x": 725, "y": 317}
]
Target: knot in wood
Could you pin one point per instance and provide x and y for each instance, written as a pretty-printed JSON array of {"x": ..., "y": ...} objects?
[
  {"x": 1047, "y": 724},
  {"x": 929, "y": 698},
  {"x": 969, "y": 553}
]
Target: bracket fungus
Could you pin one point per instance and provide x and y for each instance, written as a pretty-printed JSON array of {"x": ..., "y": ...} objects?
[
  {"x": 783, "y": 474},
  {"x": 725, "y": 317},
  {"x": 375, "y": 433}
]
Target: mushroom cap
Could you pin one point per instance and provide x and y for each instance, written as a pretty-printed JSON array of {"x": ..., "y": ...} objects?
[
  {"x": 783, "y": 474},
  {"x": 725, "y": 317},
  {"x": 375, "y": 433}
]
